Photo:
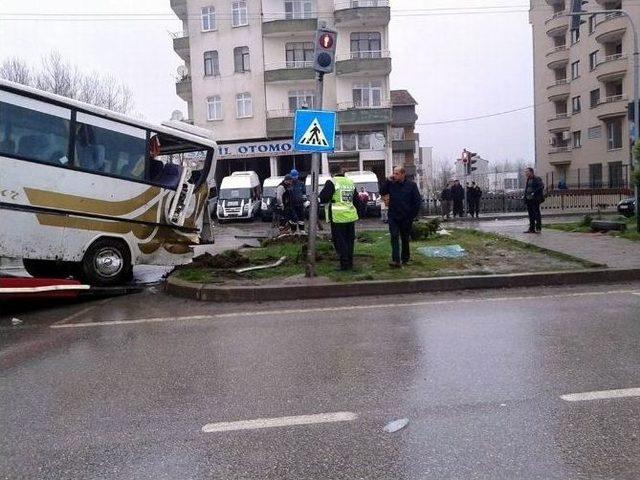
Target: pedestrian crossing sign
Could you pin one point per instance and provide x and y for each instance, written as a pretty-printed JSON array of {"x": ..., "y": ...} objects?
[{"x": 314, "y": 131}]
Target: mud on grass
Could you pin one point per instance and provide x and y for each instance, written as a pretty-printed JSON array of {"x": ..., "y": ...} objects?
[{"x": 487, "y": 254}]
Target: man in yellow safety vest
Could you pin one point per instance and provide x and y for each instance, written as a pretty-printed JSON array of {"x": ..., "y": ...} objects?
[{"x": 341, "y": 210}]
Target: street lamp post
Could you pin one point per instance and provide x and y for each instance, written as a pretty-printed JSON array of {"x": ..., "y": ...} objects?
[{"x": 636, "y": 90}]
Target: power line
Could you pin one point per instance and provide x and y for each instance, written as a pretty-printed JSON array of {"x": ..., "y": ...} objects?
[{"x": 480, "y": 117}]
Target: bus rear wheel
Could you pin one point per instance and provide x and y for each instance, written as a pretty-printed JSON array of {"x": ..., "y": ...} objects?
[
  {"x": 47, "y": 268},
  {"x": 107, "y": 262}
]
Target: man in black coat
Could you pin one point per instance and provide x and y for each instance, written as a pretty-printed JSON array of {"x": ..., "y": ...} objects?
[
  {"x": 457, "y": 192},
  {"x": 533, "y": 197},
  {"x": 404, "y": 207}
]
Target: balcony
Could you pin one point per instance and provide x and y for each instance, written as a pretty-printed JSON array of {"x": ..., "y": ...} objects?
[
  {"x": 181, "y": 44},
  {"x": 183, "y": 88},
  {"x": 611, "y": 107},
  {"x": 294, "y": 71},
  {"x": 559, "y": 123},
  {"x": 353, "y": 113},
  {"x": 558, "y": 90},
  {"x": 558, "y": 57},
  {"x": 403, "y": 145},
  {"x": 180, "y": 8},
  {"x": 362, "y": 13},
  {"x": 285, "y": 27},
  {"x": 560, "y": 155},
  {"x": 613, "y": 67},
  {"x": 279, "y": 123},
  {"x": 557, "y": 23},
  {"x": 611, "y": 28},
  {"x": 358, "y": 64}
]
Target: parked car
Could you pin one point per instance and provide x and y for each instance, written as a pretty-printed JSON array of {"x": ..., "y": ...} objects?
[{"x": 627, "y": 207}]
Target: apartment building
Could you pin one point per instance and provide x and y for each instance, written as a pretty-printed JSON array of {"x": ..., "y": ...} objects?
[
  {"x": 405, "y": 140},
  {"x": 583, "y": 82},
  {"x": 248, "y": 67}
]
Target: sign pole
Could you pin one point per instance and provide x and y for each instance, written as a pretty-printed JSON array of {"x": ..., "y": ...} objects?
[{"x": 313, "y": 208}]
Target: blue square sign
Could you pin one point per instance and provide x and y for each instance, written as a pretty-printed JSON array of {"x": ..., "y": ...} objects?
[{"x": 314, "y": 131}]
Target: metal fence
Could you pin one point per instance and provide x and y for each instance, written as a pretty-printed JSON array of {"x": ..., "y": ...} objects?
[
  {"x": 567, "y": 200},
  {"x": 597, "y": 176}
]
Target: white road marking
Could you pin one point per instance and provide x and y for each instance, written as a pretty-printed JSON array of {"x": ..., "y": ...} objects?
[
  {"x": 280, "y": 422},
  {"x": 337, "y": 309},
  {"x": 601, "y": 395},
  {"x": 80, "y": 313}
]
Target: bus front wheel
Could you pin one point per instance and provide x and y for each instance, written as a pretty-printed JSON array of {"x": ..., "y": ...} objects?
[{"x": 107, "y": 262}]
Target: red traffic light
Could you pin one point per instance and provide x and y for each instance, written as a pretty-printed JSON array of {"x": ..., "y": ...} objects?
[{"x": 325, "y": 41}]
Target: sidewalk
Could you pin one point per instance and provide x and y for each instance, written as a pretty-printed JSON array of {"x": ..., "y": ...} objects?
[{"x": 595, "y": 247}]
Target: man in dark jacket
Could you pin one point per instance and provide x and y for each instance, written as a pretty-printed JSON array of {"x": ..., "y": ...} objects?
[
  {"x": 445, "y": 201},
  {"x": 533, "y": 197},
  {"x": 457, "y": 192},
  {"x": 476, "y": 195},
  {"x": 298, "y": 193},
  {"x": 404, "y": 207}
]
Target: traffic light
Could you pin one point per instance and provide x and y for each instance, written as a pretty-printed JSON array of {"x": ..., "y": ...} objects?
[
  {"x": 576, "y": 7},
  {"x": 472, "y": 161},
  {"x": 324, "y": 55}
]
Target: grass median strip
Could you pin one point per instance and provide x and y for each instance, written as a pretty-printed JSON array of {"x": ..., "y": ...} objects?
[{"x": 486, "y": 254}]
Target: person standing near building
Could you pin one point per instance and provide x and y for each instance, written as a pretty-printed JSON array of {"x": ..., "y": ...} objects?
[
  {"x": 284, "y": 208},
  {"x": 445, "y": 201},
  {"x": 457, "y": 194},
  {"x": 340, "y": 197},
  {"x": 297, "y": 199},
  {"x": 476, "y": 195},
  {"x": 404, "y": 207},
  {"x": 533, "y": 198}
]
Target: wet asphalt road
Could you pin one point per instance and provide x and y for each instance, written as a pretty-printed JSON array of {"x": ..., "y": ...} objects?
[{"x": 478, "y": 374}]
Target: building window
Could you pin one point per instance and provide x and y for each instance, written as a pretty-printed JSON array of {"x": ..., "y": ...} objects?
[
  {"x": 592, "y": 24},
  {"x": 349, "y": 142},
  {"x": 575, "y": 36},
  {"x": 366, "y": 45},
  {"x": 298, "y": 9},
  {"x": 208, "y": 19},
  {"x": 614, "y": 134},
  {"x": 593, "y": 60},
  {"x": 575, "y": 70},
  {"x": 576, "y": 104},
  {"x": 577, "y": 139},
  {"x": 301, "y": 99},
  {"x": 398, "y": 159},
  {"x": 367, "y": 94},
  {"x": 594, "y": 133},
  {"x": 615, "y": 175},
  {"x": 244, "y": 108},
  {"x": 299, "y": 54},
  {"x": 397, "y": 133},
  {"x": 595, "y": 175},
  {"x": 211, "y": 65},
  {"x": 241, "y": 59},
  {"x": 595, "y": 97},
  {"x": 239, "y": 16},
  {"x": 214, "y": 108}
]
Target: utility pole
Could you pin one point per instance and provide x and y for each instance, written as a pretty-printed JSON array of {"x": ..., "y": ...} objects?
[{"x": 313, "y": 207}]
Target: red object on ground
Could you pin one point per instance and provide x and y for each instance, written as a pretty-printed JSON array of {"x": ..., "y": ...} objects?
[{"x": 27, "y": 287}]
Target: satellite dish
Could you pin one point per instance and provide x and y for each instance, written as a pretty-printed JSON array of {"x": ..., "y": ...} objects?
[
  {"x": 183, "y": 71},
  {"x": 177, "y": 116}
]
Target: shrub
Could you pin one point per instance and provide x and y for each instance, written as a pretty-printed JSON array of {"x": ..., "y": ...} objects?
[
  {"x": 586, "y": 221},
  {"x": 423, "y": 230}
]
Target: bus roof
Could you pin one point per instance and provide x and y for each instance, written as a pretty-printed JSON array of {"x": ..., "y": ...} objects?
[{"x": 199, "y": 136}]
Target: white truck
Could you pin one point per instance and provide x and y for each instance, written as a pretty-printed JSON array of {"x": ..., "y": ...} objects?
[
  {"x": 239, "y": 196},
  {"x": 368, "y": 181}
]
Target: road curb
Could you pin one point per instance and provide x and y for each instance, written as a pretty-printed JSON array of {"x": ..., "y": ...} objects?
[{"x": 264, "y": 293}]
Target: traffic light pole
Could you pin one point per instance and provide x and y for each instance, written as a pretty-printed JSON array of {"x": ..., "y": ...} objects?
[{"x": 315, "y": 171}]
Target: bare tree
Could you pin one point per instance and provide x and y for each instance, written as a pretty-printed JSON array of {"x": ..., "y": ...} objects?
[
  {"x": 16, "y": 70},
  {"x": 58, "y": 76},
  {"x": 442, "y": 173}
]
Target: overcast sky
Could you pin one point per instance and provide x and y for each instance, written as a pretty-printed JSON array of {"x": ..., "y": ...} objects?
[{"x": 457, "y": 65}]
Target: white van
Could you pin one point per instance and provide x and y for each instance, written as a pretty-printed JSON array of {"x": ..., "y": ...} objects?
[
  {"x": 239, "y": 196},
  {"x": 322, "y": 179},
  {"x": 269, "y": 187},
  {"x": 369, "y": 182}
]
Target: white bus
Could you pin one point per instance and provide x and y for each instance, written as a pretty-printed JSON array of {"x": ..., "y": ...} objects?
[{"x": 90, "y": 192}]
